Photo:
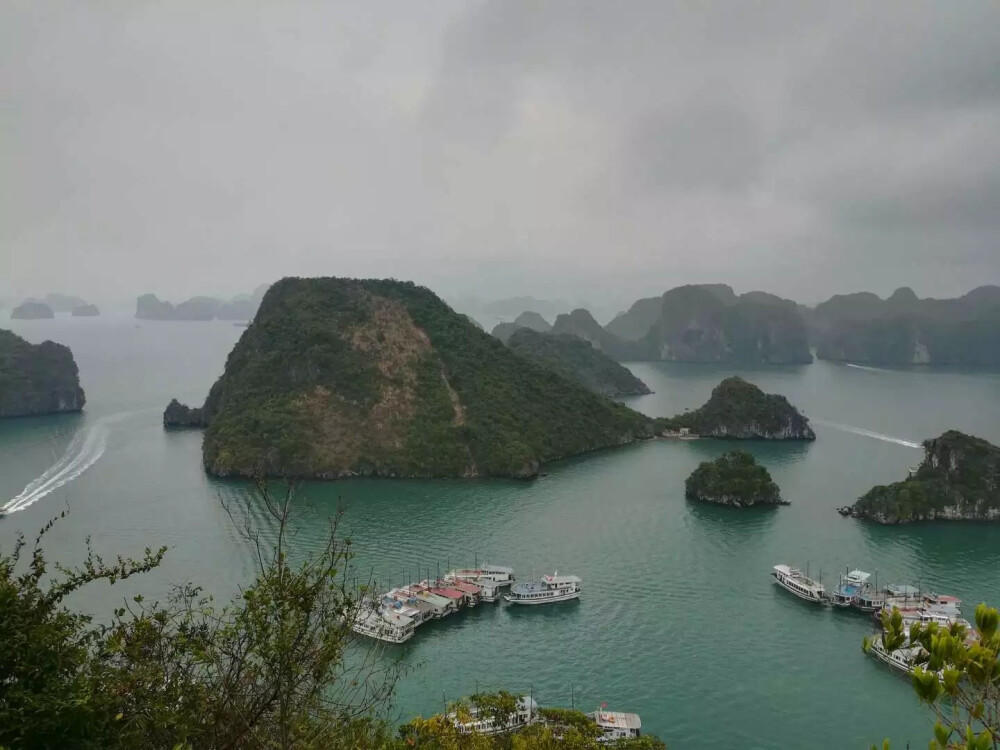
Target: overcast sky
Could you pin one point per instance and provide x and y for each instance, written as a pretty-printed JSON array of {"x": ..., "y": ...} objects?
[{"x": 583, "y": 150}]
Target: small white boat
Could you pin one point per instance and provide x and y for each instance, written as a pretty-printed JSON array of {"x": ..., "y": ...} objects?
[
  {"x": 549, "y": 589},
  {"x": 796, "y": 582}
]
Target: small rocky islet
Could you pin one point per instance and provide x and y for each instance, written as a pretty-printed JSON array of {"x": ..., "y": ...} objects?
[
  {"x": 734, "y": 479},
  {"x": 958, "y": 480}
]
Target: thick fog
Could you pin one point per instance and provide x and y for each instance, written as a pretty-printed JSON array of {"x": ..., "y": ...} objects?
[{"x": 592, "y": 150}]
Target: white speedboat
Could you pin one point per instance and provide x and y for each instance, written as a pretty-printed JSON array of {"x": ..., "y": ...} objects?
[
  {"x": 795, "y": 581},
  {"x": 549, "y": 589}
]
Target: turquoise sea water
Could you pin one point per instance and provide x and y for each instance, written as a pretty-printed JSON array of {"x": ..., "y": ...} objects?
[{"x": 679, "y": 620}]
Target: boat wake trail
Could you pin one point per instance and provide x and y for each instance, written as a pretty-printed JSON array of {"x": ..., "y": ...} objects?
[
  {"x": 866, "y": 367},
  {"x": 84, "y": 451},
  {"x": 866, "y": 433}
]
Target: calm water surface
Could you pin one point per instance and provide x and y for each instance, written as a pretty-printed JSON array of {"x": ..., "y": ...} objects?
[{"x": 679, "y": 620}]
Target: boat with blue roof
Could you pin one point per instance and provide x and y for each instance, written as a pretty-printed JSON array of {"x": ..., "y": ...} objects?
[{"x": 851, "y": 586}]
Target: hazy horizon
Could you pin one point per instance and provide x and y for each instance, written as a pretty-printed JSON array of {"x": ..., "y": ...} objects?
[{"x": 589, "y": 152}]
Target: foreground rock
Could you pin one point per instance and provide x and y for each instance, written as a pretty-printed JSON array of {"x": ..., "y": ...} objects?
[
  {"x": 32, "y": 311},
  {"x": 178, "y": 415},
  {"x": 343, "y": 377},
  {"x": 958, "y": 480},
  {"x": 577, "y": 360},
  {"x": 37, "y": 379},
  {"x": 86, "y": 311},
  {"x": 735, "y": 479},
  {"x": 740, "y": 410}
]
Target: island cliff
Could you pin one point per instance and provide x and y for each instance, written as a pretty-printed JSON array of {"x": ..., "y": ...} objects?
[
  {"x": 906, "y": 330},
  {"x": 958, "y": 480},
  {"x": 32, "y": 311},
  {"x": 710, "y": 323},
  {"x": 37, "y": 379},
  {"x": 577, "y": 360},
  {"x": 740, "y": 410},
  {"x": 342, "y": 377},
  {"x": 178, "y": 415},
  {"x": 733, "y": 479}
]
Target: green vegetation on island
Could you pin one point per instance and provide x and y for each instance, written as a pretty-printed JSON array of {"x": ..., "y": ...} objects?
[
  {"x": 341, "y": 377},
  {"x": 958, "y": 479},
  {"x": 577, "y": 360},
  {"x": 37, "y": 379},
  {"x": 740, "y": 410},
  {"x": 904, "y": 329},
  {"x": 734, "y": 478},
  {"x": 710, "y": 323}
]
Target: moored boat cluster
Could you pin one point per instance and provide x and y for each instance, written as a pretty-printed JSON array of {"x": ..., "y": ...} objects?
[
  {"x": 855, "y": 590},
  {"x": 395, "y": 615}
]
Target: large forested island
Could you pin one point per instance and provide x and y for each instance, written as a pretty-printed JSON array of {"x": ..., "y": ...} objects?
[
  {"x": 959, "y": 479},
  {"x": 577, "y": 360},
  {"x": 740, "y": 410},
  {"x": 37, "y": 379},
  {"x": 342, "y": 377},
  {"x": 735, "y": 479}
]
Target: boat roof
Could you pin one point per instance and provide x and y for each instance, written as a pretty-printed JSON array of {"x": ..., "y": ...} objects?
[
  {"x": 449, "y": 593},
  {"x": 617, "y": 720},
  {"x": 902, "y": 589},
  {"x": 556, "y": 578},
  {"x": 487, "y": 568},
  {"x": 857, "y": 576},
  {"x": 468, "y": 588}
]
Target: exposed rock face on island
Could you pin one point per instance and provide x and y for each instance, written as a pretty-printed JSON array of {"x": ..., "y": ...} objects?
[
  {"x": 178, "y": 415},
  {"x": 37, "y": 379},
  {"x": 710, "y": 323},
  {"x": 32, "y": 311},
  {"x": 85, "y": 311},
  {"x": 906, "y": 330},
  {"x": 740, "y": 410},
  {"x": 577, "y": 360},
  {"x": 342, "y": 377},
  {"x": 958, "y": 480},
  {"x": 734, "y": 479}
]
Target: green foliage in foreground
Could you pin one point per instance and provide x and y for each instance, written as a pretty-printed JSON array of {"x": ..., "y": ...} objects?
[
  {"x": 275, "y": 668},
  {"x": 958, "y": 478},
  {"x": 734, "y": 478},
  {"x": 958, "y": 676}
]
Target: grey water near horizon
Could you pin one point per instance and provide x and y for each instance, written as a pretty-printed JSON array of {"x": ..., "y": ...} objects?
[{"x": 679, "y": 620}]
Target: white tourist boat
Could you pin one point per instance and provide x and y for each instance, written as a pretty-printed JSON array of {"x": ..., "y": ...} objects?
[
  {"x": 475, "y": 720},
  {"x": 498, "y": 574},
  {"x": 795, "y": 581},
  {"x": 902, "y": 659},
  {"x": 851, "y": 585},
  {"x": 549, "y": 589},
  {"x": 383, "y": 625},
  {"x": 615, "y": 725}
]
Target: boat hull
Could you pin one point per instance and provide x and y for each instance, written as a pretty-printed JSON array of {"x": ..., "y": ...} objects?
[
  {"x": 534, "y": 602},
  {"x": 799, "y": 594}
]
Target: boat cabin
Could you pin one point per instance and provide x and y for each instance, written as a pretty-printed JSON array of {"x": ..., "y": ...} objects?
[{"x": 615, "y": 725}]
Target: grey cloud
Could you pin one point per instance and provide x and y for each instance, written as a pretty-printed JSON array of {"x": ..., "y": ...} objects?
[{"x": 563, "y": 149}]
